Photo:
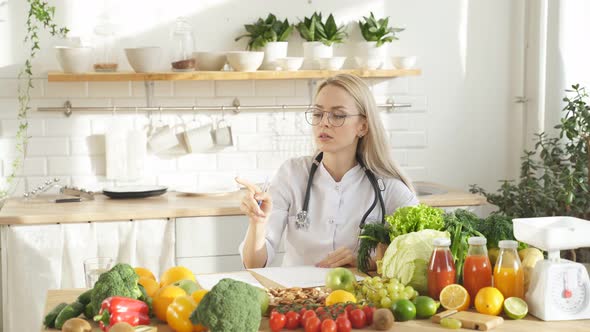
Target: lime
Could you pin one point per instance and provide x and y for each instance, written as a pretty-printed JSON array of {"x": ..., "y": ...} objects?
[
  {"x": 515, "y": 308},
  {"x": 425, "y": 306},
  {"x": 403, "y": 310}
]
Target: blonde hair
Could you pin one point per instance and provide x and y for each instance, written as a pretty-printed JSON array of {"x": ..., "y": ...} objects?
[{"x": 373, "y": 148}]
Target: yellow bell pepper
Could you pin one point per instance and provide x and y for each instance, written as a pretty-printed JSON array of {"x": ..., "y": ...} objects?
[{"x": 178, "y": 315}]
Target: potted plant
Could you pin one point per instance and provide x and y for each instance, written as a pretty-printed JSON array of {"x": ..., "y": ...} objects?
[
  {"x": 554, "y": 177},
  {"x": 376, "y": 33},
  {"x": 271, "y": 36},
  {"x": 320, "y": 37},
  {"x": 40, "y": 16}
]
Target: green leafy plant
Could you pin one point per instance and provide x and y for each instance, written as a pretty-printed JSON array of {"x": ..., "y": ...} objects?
[
  {"x": 554, "y": 177},
  {"x": 374, "y": 30},
  {"x": 266, "y": 30},
  {"x": 40, "y": 16},
  {"x": 313, "y": 29}
]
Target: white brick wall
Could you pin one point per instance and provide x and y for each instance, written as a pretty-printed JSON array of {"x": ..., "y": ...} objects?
[{"x": 73, "y": 148}]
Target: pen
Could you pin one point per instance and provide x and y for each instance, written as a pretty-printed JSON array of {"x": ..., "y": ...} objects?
[{"x": 265, "y": 187}]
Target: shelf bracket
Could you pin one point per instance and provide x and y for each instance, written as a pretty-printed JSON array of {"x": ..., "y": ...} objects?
[
  {"x": 68, "y": 108},
  {"x": 149, "y": 93}
]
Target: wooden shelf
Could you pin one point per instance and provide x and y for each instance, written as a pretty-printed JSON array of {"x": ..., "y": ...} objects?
[{"x": 224, "y": 75}]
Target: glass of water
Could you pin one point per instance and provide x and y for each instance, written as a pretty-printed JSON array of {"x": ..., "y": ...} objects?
[{"x": 94, "y": 267}]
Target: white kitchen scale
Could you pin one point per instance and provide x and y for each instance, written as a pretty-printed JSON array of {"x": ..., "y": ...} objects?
[{"x": 559, "y": 289}]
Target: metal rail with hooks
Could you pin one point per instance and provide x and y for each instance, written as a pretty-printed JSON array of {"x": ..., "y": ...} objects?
[{"x": 68, "y": 109}]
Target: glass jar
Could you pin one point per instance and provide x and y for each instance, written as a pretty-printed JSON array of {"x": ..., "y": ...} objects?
[
  {"x": 441, "y": 269},
  {"x": 183, "y": 46},
  {"x": 105, "y": 59},
  {"x": 477, "y": 269},
  {"x": 508, "y": 271}
]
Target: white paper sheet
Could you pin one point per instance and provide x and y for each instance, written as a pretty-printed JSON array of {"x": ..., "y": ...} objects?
[
  {"x": 207, "y": 281},
  {"x": 296, "y": 276}
]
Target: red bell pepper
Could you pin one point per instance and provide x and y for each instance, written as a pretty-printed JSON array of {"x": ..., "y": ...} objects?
[{"x": 117, "y": 309}]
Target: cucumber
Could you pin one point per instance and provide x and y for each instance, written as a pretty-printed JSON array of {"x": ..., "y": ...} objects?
[
  {"x": 49, "y": 320},
  {"x": 89, "y": 311},
  {"x": 70, "y": 311},
  {"x": 84, "y": 298}
]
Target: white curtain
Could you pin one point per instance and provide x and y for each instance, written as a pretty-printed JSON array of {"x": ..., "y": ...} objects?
[
  {"x": 556, "y": 57},
  {"x": 39, "y": 258}
]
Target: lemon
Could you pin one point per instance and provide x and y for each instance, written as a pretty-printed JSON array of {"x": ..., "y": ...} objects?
[
  {"x": 489, "y": 301},
  {"x": 454, "y": 297},
  {"x": 515, "y": 308},
  {"x": 340, "y": 296}
]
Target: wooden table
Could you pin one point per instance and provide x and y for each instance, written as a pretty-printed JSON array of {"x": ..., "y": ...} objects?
[{"x": 529, "y": 324}]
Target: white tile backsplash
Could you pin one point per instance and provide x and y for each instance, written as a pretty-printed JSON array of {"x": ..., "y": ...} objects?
[
  {"x": 234, "y": 88},
  {"x": 48, "y": 146},
  {"x": 9, "y": 128},
  {"x": 73, "y": 147}
]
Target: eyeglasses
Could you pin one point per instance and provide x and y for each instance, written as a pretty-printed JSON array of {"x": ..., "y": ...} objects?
[{"x": 314, "y": 116}]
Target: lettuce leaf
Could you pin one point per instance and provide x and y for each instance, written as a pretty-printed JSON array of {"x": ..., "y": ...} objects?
[
  {"x": 409, "y": 219},
  {"x": 407, "y": 258}
]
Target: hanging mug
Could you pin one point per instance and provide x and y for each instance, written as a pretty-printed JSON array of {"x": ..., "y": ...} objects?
[
  {"x": 222, "y": 134},
  {"x": 163, "y": 137},
  {"x": 199, "y": 139}
]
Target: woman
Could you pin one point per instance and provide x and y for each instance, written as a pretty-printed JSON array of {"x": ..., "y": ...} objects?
[{"x": 348, "y": 134}]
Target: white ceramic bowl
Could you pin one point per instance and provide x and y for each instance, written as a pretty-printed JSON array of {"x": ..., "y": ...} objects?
[
  {"x": 290, "y": 63},
  {"x": 404, "y": 62},
  {"x": 368, "y": 62},
  {"x": 144, "y": 59},
  {"x": 210, "y": 61},
  {"x": 74, "y": 59},
  {"x": 244, "y": 60},
  {"x": 332, "y": 63}
]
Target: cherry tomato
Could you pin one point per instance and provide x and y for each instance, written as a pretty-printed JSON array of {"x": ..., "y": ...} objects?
[
  {"x": 343, "y": 324},
  {"x": 329, "y": 326},
  {"x": 369, "y": 311},
  {"x": 350, "y": 307},
  {"x": 358, "y": 319},
  {"x": 292, "y": 320},
  {"x": 302, "y": 311},
  {"x": 277, "y": 321},
  {"x": 320, "y": 310},
  {"x": 313, "y": 325},
  {"x": 307, "y": 315}
]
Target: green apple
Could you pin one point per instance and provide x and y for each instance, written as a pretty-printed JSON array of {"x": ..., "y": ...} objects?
[
  {"x": 189, "y": 286},
  {"x": 340, "y": 278},
  {"x": 263, "y": 299}
]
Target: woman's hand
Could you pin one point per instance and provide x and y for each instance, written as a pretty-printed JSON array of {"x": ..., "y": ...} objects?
[
  {"x": 249, "y": 205},
  {"x": 339, "y": 257}
]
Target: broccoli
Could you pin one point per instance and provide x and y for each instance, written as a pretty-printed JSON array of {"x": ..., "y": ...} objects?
[
  {"x": 121, "y": 280},
  {"x": 231, "y": 306}
]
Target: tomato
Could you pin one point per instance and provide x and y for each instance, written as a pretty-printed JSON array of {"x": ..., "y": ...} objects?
[
  {"x": 369, "y": 311},
  {"x": 320, "y": 310},
  {"x": 302, "y": 311},
  {"x": 350, "y": 307},
  {"x": 292, "y": 320},
  {"x": 358, "y": 319},
  {"x": 277, "y": 321},
  {"x": 343, "y": 324},
  {"x": 307, "y": 315},
  {"x": 328, "y": 326},
  {"x": 313, "y": 325}
]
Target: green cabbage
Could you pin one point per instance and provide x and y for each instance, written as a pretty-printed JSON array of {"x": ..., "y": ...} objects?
[{"x": 407, "y": 258}]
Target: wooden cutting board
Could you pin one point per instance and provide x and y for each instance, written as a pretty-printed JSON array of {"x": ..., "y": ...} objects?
[{"x": 470, "y": 320}]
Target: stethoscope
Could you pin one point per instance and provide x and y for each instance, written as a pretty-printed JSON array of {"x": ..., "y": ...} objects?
[{"x": 303, "y": 221}]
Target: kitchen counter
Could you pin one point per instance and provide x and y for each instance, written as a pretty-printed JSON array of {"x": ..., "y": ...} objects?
[{"x": 173, "y": 205}]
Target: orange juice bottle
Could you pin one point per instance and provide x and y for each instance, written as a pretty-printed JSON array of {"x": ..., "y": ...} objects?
[{"x": 508, "y": 271}]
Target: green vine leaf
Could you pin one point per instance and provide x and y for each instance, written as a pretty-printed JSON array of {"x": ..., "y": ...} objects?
[{"x": 40, "y": 14}]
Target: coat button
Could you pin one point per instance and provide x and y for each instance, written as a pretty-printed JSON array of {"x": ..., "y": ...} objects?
[{"x": 331, "y": 221}]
